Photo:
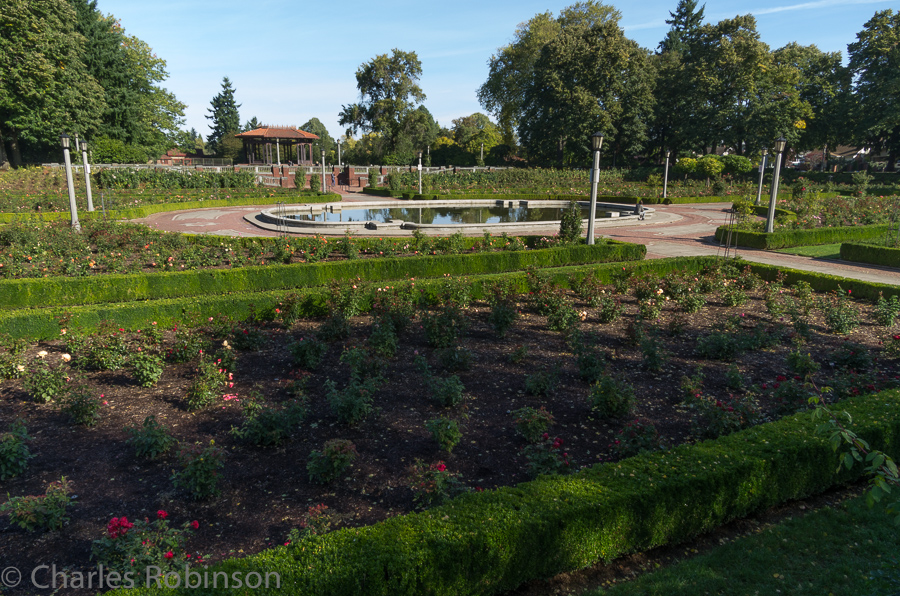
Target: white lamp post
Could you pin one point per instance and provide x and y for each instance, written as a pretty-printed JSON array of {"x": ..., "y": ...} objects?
[
  {"x": 323, "y": 171},
  {"x": 340, "y": 163},
  {"x": 762, "y": 171},
  {"x": 596, "y": 145},
  {"x": 780, "y": 142},
  {"x": 420, "y": 172},
  {"x": 666, "y": 175},
  {"x": 87, "y": 176},
  {"x": 73, "y": 208}
]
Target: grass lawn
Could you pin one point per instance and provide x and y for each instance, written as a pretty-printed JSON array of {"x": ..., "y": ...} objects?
[
  {"x": 822, "y": 251},
  {"x": 832, "y": 551}
]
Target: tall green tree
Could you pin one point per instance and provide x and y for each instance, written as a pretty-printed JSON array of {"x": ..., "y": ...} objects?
[
  {"x": 586, "y": 79},
  {"x": 470, "y": 132},
  {"x": 685, "y": 24},
  {"x": 45, "y": 87},
  {"x": 511, "y": 69},
  {"x": 875, "y": 65},
  {"x": 325, "y": 143},
  {"x": 389, "y": 94},
  {"x": 226, "y": 120}
]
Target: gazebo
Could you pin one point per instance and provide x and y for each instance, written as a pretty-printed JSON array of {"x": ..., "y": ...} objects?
[{"x": 258, "y": 144}]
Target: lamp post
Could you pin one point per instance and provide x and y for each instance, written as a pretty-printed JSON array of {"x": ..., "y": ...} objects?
[
  {"x": 780, "y": 142},
  {"x": 323, "y": 171},
  {"x": 420, "y": 172},
  {"x": 87, "y": 176},
  {"x": 762, "y": 171},
  {"x": 666, "y": 175},
  {"x": 481, "y": 159},
  {"x": 340, "y": 163},
  {"x": 73, "y": 208},
  {"x": 596, "y": 145}
]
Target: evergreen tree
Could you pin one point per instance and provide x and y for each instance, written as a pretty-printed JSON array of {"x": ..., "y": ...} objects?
[
  {"x": 226, "y": 121},
  {"x": 251, "y": 124},
  {"x": 685, "y": 23}
]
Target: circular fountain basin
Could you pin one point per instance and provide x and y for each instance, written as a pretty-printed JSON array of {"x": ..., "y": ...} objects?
[{"x": 435, "y": 216}]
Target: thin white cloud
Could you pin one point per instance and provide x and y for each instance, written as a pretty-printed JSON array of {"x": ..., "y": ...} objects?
[
  {"x": 650, "y": 25},
  {"x": 817, "y": 4}
]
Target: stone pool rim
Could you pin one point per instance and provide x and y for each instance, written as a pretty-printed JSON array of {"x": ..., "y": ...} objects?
[{"x": 270, "y": 219}]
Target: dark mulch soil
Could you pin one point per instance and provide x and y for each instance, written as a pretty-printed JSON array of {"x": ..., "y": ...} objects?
[{"x": 266, "y": 492}]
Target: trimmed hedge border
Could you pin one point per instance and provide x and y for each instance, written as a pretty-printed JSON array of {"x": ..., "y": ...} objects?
[
  {"x": 41, "y": 323},
  {"x": 628, "y": 200},
  {"x": 821, "y": 282},
  {"x": 491, "y": 542},
  {"x": 147, "y": 210},
  {"x": 775, "y": 240},
  {"x": 109, "y": 288},
  {"x": 872, "y": 254}
]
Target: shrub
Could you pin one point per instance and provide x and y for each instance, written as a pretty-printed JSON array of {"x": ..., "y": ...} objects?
[
  {"x": 852, "y": 356},
  {"x": 11, "y": 364},
  {"x": 383, "y": 340},
  {"x": 532, "y": 423},
  {"x": 433, "y": 484},
  {"x": 802, "y": 364},
  {"x": 208, "y": 381},
  {"x": 151, "y": 439},
  {"x": 200, "y": 466},
  {"x": 133, "y": 547},
  {"x": 353, "y": 403},
  {"x": 445, "y": 432},
  {"x": 454, "y": 359},
  {"x": 315, "y": 182},
  {"x": 14, "y": 453},
  {"x": 147, "y": 367},
  {"x": 886, "y": 310},
  {"x": 841, "y": 316},
  {"x": 570, "y": 224},
  {"x": 327, "y": 465},
  {"x": 637, "y": 436},
  {"x": 44, "y": 383},
  {"x": 82, "y": 405},
  {"x": 106, "y": 352},
  {"x": 267, "y": 426},
  {"x": 611, "y": 397},
  {"x": 546, "y": 457},
  {"x": 308, "y": 352},
  {"x": 316, "y": 522},
  {"x": 42, "y": 512},
  {"x": 501, "y": 297},
  {"x": 713, "y": 417},
  {"x": 444, "y": 327},
  {"x": 719, "y": 346},
  {"x": 395, "y": 305},
  {"x": 542, "y": 382},
  {"x": 790, "y": 396},
  {"x": 188, "y": 345},
  {"x": 733, "y": 378}
]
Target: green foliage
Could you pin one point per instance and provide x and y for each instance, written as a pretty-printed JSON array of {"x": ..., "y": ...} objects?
[
  {"x": 886, "y": 310},
  {"x": 611, "y": 397},
  {"x": 546, "y": 457},
  {"x": 433, "y": 484},
  {"x": 802, "y": 364},
  {"x": 445, "y": 432},
  {"x": 82, "y": 404},
  {"x": 135, "y": 547},
  {"x": 199, "y": 474},
  {"x": 327, "y": 465},
  {"x": 790, "y": 396},
  {"x": 637, "y": 436},
  {"x": 841, "y": 315},
  {"x": 714, "y": 417},
  {"x": 532, "y": 423},
  {"x": 570, "y": 224},
  {"x": 308, "y": 352},
  {"x": 801, "y": 237},
  {"x": 151, "y": 439},
  {"x": 14, "y": 453},
  {"x": 44, "y": 383},
  {"x": 543, "y": 382},
  {"x": 383, "y": 340},
  {"x": 42, "y": 512},
  {"x": 146, "y": 366},
  {"x": 501, "y": 297},
  {"x": 205, "y": 388},
  {"x": 268, "y": 426},
  {"x": 226, "y": 121}
]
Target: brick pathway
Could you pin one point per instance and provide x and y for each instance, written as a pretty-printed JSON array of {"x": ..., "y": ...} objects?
[{"x": 674, "y": 230}]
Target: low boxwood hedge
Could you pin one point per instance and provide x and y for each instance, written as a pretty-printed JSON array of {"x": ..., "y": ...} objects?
[
  {"x": 623, "y": 199},
  {"x": 873, "y": 254},
  {"x": 64, "y": 291},
  {"x": 821, "y": 282},
  {"x": 789, "y": 238},
  {"x": 147, "y": 210},
  {"x": 491, "y": 542},
  {"x": 42, "y": 323}
]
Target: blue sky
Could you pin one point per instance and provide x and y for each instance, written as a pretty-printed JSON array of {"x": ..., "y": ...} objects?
[{"x": 291, "y": 61}]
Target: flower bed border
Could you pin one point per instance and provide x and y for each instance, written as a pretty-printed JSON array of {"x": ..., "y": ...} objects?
[
  {"x": 873, "y": 254},
  {"x": 788, "y": 239},
  {"x": 110, "y": 288},
  {"x": 628, "y": 200}
]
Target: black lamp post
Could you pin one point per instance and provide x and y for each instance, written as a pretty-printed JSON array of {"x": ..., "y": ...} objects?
[
  {"x": 596, "y": 146},
  {"x": 780, "y": 142}
]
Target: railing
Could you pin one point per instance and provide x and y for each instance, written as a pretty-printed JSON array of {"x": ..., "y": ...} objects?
[{"x": 269, "y": 180}]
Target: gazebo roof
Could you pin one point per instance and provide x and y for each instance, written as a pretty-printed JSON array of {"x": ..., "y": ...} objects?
[{"x": 273, "y": 132}]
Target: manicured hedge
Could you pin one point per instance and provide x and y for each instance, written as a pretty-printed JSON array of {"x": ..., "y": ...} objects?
[
  {"x": 821, "y": 282},
  {"x": 147, "y": 210},
  {"x": 107, "y": 288},
  {"x": 627, "y": 200},
  {"x": 491, "y": 542},
  {"x": 41, "y": 323},
  {"x": 870, "y": 253},
  {"x": 787, "y": 239}
]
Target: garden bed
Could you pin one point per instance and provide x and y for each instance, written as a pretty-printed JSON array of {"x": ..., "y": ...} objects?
[{"x": 267, "y": 491}]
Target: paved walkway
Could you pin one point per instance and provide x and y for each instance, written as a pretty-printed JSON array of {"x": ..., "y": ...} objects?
[{"x": 672, "y": 231}]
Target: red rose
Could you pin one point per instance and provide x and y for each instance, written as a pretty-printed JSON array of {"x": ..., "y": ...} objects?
[
  {"x": 195, "y": 524},
  {"x": 161, "y": 514},
  {"x": 169, "y": 555}
]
